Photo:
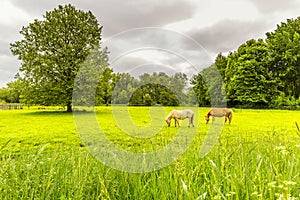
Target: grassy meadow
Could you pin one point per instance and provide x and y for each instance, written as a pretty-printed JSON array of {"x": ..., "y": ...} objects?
[{"x": 42, "y": 156}]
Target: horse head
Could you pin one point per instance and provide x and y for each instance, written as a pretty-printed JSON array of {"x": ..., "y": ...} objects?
[
  {"x": 206, "y": 118},
  {"x": 168, "y": 121}
]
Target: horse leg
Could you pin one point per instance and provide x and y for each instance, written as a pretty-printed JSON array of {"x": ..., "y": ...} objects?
[
  {"x": 177, "y": 122},
  {"x": 191, "y": 122},
  {"x": 225, "y": 120},
  {"x": 213, "y": 120}
]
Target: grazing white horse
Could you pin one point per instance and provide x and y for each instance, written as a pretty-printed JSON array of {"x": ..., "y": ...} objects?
[{"x": 180, "y": 114}]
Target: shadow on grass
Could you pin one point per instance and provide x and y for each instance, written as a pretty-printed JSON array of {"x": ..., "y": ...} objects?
[
  {"x": 55, "y": 112},
  {"x": 45, "y": 112}
]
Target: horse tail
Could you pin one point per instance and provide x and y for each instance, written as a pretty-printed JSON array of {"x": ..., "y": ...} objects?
[{"x": 192, "y": 119}]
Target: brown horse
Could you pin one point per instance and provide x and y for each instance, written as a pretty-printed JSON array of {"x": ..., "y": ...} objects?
[
  {"x": 221, "y": 112},
  {"x": 180, "y": 114}
]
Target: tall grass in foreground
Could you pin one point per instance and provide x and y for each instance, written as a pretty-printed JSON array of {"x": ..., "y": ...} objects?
[{"x": 245, "y": 164}]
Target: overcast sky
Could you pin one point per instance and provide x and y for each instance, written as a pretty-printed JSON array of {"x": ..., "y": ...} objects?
[{"x": 181, "y": 25}]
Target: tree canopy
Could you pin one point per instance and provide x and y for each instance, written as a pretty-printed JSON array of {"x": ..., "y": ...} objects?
[
  {"x": 284, "y": 56},
  {"x": 52, "y": 51},
  {"x": 151, "y": 89},
  {"x": 260, "y": 73}
]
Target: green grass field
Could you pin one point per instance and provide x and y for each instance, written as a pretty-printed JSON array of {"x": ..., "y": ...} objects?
[{"x": 42, "y": 156}]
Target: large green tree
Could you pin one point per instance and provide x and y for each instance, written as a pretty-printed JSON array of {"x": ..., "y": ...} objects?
[
  {"x": 94, "y": 80},
  {"x": 52, "y": 51},
  {"x": 106, "y": 86},
  {"x": 208, "y": 87},
  {"x": 284, "y": 56},
  {"x": 151, "y": 89},
  {"x": 124, "y": 87},
  {"x": 11, "y": 93},
  {"x": 201, "y": 90},
  {"x": 221, "y": 64},
  {"x": 248, "y": 78},
  {"x": 261, "y": 73}
]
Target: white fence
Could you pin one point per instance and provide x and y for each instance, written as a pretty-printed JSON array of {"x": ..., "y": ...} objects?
[{"x": 11, "y": 106}]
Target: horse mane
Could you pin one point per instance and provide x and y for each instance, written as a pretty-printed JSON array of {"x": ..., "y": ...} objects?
[{"x": 170, "y": 114}]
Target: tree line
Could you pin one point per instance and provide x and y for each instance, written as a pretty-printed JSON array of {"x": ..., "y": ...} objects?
[
  {"x": 152, "y": 89},
  {"x": 260, "y": 73}
]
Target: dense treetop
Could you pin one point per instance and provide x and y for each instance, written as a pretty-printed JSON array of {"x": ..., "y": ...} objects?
[
  {"x": 260, "y": 73},
  {"x": 52, "y": 51}
]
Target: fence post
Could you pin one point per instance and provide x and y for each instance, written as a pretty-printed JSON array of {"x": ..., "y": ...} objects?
[{"x": 11, "y": 106}]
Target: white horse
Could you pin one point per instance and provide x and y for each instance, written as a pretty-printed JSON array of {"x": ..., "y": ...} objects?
[{"x": 180, "y": 114}]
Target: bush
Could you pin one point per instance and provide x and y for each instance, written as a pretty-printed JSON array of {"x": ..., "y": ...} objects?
[{"x": 285, "y": 102}]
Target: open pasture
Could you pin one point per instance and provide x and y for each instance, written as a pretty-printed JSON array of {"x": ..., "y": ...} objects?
[{"x": 43, "y": 157}]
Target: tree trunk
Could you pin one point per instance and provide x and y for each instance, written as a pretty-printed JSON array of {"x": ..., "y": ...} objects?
[{"x": 69, "y": 107}]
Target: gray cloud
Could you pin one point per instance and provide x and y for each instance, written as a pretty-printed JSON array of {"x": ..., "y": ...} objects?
[
  {"x": 8, "y": 69},
  {"x": 120, "y": 15},
  {"x": 123, "y": 65},
  {"x": 227, "y": 35},
  {"x": 8, "y": 35},
  {"x": 5, "y": 76},
  {"x": 138, "y": 66},
  {"x": 160, "y": 46},
  {"x": 4, "y": 48},
  {"x": 114, "y": 15},
  {"x": 271, "y": 6}
]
